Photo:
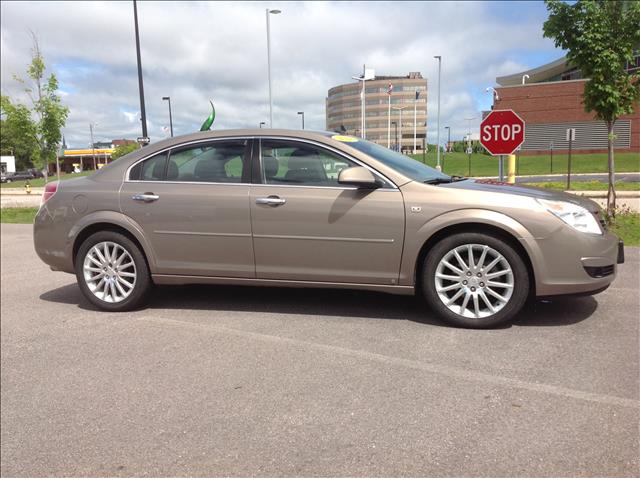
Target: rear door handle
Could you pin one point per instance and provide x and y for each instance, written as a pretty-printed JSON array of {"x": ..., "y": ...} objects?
[
  {"x": 272, "y": 201},
  {"x": 145, "y": 197}
]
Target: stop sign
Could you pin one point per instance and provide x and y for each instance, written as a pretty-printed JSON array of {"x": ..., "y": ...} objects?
[{"x": 501, "y": 132}]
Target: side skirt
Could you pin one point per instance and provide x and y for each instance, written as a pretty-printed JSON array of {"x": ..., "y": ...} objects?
[{"x": 163, "y": 279}]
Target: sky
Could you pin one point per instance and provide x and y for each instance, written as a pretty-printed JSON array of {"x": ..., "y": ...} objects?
[{"x": 197, "y": 51}]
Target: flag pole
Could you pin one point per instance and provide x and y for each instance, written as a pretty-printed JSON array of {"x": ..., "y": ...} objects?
[
  {"x": 415, "y": 103},
  {"x": 389, "y": 119}
]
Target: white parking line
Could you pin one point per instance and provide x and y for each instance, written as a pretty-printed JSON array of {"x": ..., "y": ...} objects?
[{"x": 445, "y": 370}]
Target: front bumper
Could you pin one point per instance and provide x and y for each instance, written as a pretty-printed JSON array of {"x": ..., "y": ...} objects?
[{"x": 569, "y": 262}]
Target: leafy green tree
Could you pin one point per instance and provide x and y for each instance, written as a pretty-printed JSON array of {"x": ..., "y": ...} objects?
[
  {"x": 50, "y": 114},
  {"x": 600, "y": 37},
  {"x": 17, "y": 133},
  {"x": 124, "y": 149}
]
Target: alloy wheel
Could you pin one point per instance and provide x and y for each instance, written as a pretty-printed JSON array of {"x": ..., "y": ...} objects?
[
  {"x": 109, "y": 272},
  {"x": 474, "y": 281}
]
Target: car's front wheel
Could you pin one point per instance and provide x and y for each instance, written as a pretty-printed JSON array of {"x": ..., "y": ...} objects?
[
  {"x": 475, "y": 280},
  {"x": 112, "y": 272}
]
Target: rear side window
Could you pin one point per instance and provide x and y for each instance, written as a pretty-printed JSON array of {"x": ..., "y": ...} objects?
[
  {"x": 151, "y": 169},
  {"x": 216, "y": 162}
]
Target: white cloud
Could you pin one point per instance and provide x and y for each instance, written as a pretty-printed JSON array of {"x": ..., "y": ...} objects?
[{"x": 197, "y": 51}]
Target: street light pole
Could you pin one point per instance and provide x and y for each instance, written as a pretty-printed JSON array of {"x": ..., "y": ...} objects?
[
  {"x": 400, "y": 108},
  {"x": 439, "y": 58},
  {"x": 168, "y": 98},
  {"x": 415, "y": 124},
  {"x": 469, "y": 143},
  {"x": 261, "y": 123},
  {"x": 363, "y": 107},
  {"x": 302, "y": 113},
  {"x": 274, "y": 12},
  {"x": 448, "y": 128},
  {"x": 93, "y": 146},
  {"x": 143, "y": 113},
  {"x": 396, "y": 126}
]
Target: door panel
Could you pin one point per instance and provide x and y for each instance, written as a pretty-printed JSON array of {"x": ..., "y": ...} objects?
[
  {"x": 195, "y": 226},
  {"x": 328, "y": 234}
]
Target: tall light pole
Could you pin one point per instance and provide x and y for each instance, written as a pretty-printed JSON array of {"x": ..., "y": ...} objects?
[
  {"x": 415, "y": 123},
  {"x": 270, "y": 12},
  {"x": 396, "y": 125},
  {"x": 168, "y": 98},
  {"x": 439, "y": 58},
  {"x": 400, "y": 108},
  {"x": 143, "y": 113},
  {"x": 448, "y": 128},
  {"x": 302, "y": 113},
  {"x": 93, "y": 145},
  {"x": 494, "y": 94},
  {"x": 524, "y": 78},
  {"x": 261, "y": 123},
  {"x": 469, "y": 142},
  {"x": 365, "y": 76}
]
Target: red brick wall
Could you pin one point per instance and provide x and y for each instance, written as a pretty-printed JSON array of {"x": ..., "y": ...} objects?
[{"x": 557, "y": 102}]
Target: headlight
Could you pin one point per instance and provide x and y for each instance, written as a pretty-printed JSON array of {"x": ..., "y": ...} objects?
[{"x": 576, "y": 216}]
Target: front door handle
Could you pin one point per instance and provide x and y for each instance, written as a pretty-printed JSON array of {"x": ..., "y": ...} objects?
[
  {"x": 272, "y": 201},
  {"x": 145, "y": 197}
]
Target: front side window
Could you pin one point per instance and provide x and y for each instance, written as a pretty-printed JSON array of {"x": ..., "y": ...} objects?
[{"x": 291, "y": 163}]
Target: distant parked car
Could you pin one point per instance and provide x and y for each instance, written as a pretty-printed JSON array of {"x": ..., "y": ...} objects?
[
  {"x": 17, "y": 176},
  {"x": 257, "y": 207},
  {"x": 36, "y": 173}
]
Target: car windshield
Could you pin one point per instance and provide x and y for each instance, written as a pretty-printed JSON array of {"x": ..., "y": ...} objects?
[{"x": 405, "y": 165}]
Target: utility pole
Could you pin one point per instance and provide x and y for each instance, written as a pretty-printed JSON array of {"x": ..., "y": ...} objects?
[
  {"x": 93, "y": 146},
  {"x": 143, "y": 113}
]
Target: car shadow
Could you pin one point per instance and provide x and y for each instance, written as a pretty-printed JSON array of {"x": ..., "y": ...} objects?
[{"x": 328, "y": 302}]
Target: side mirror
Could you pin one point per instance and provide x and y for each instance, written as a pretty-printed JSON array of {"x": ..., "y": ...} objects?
[{"x": 358, "y": 176}]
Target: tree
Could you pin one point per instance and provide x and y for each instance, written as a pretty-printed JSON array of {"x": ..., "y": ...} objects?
[
  {"x": 17, "y": 133},
  {"x": 51, "y": 114},
  {"x": 123, "y": 149},
  {"x": 600, "y": 37}
]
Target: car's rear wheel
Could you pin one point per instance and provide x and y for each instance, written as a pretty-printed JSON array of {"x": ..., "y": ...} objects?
[
  {"x": 475, "y": 280},
  {"x": 112, "y": 272}
]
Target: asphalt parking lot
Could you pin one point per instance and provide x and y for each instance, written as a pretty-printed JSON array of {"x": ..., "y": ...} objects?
[{"x": 230, "y": 381}]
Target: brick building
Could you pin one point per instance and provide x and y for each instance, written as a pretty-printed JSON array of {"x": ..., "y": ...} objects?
[{"x": 549, "y": 100}]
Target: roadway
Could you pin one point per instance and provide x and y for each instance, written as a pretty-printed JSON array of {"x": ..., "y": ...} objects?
[{"x": 231, "y": 381}]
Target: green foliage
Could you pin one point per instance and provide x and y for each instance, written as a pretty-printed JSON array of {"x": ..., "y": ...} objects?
[
  {"x": 50, "y": 114},
  {"x": 600, "y": 36},
  {"x": 17, "y": 133},
  {"x": 124, "y": 149},
  {"x": 18, "y": 215}
]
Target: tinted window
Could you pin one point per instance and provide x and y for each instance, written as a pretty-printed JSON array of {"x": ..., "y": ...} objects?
[
  {"x": 287, "y": 162},
  {"x": 151, "y": 169},
  {"x": 218, "y": 162}
]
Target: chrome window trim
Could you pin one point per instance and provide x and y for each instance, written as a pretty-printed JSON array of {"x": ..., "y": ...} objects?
[
  {"x": 176, "y": 146},
  {"x": 333, "y": 150},
  {"x": 394, "y": 187}
]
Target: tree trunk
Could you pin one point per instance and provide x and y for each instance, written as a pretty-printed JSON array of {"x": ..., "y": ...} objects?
[{"x": 611, "y": 194}]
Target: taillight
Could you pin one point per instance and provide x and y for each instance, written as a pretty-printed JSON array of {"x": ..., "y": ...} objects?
[{"x": 49, "y": 190}]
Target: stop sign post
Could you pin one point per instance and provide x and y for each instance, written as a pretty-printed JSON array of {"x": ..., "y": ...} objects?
[{"x": 501, "y": 132}]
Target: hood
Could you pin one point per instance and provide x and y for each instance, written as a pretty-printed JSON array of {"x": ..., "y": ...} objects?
[{"x": 493, "y": 186}]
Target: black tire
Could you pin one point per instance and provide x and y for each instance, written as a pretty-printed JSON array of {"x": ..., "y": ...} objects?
[
  {"x": 142, "y": 286},
  {"x": 521, "y": 286}
]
